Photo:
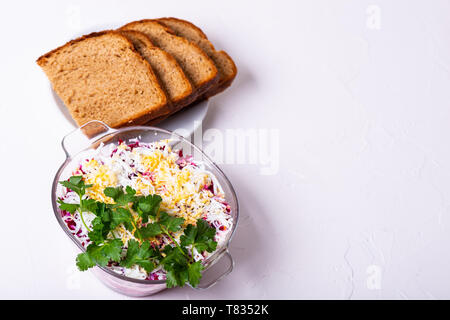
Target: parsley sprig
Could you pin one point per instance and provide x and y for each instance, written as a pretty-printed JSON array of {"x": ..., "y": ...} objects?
[
  {"x": 76, "y": 184},
  {"x": 141, "y": 216}
]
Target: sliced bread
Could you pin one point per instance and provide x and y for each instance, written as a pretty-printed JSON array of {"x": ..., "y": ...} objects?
[
  {"x": 196, "y": 64},
  {"x": 225, "y": 65},
  {"x": 101, "y": 76},
  {"x": 171, "y": 76}
]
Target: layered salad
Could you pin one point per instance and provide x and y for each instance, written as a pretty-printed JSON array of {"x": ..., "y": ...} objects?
[{"x": 145, "y": 211}]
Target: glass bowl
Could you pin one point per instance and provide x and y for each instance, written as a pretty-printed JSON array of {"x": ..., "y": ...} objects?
[{"x": 87, "y": 138}]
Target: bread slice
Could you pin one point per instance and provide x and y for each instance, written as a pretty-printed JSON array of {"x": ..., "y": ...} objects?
[
  {"x": 100, "y": 76},
  {"x": 172, "y": 78},
  {"x": 225, "y": 65},
  {"x": 197, "y": 66}
]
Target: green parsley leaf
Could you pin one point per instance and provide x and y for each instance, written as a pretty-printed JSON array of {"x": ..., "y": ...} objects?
[
  {"x": 174, "y": 256},
  {"x": 113, "y": 192},
  {"x": 120, "y": 197},
  {"x": 139, "y": 255},
  {"x": 170, "y": 223},
  {"x": 68, "y": 206},
  {"x": 76, "y": 179},
  {"x": 96, "y": 235},
  {"x": 151, "y": 230},
  {"x": 176, "y": 265},
  {"x": 147, "y": 206},
  {"x": 84, "y": 261},
  {"x": 189, "y": 236},
  {"x": 95, "y": 254},
  {"x": 102, "y": 211},
  {"x": 101, "y": 225},
  {"x": 76, "y": 184},
  {"x": 195, "y": 273},
  {"x": 176, "y": 277},
  {"x": 130, "y": 190},
  {"x": 200, "y": 236},
  {"x": 89, "y": 205},
  {"x": 113, "y": 249},
  {"x": 122, "y": 215},
  {"x": 100, "y": 255}
]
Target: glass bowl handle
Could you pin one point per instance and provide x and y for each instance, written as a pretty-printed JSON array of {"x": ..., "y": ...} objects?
[
  {"x": 84, "y": 136},
  {"x": 223, "y": 274}
]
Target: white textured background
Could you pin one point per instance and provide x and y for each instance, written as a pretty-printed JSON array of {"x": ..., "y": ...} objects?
[{"x": 360, "y": 94}]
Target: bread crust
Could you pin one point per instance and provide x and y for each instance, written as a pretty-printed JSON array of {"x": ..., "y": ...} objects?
[
  {"x": 193, "y": 26},
  {"x": 139, "y": 118},
  {"x": 225, "y": 80},
  {"x": 225, "y": 83},
  {"x": 42, "y": 59},
  {"x": 203, "y": 86}
]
